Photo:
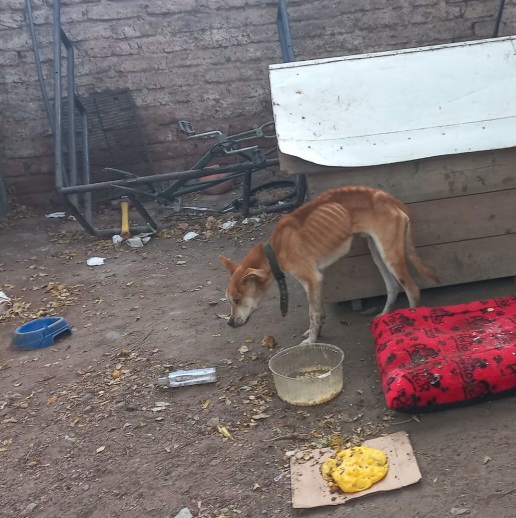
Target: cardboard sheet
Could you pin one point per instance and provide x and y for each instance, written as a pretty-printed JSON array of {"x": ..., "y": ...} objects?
[{"x": 310, "y": 490}]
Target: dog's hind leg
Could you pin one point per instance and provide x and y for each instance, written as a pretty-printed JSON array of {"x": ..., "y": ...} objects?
[
  {"x": 312, "y": 284},
  {"x": 391, "y": 283},
  {"x": 393, "y": 255}
]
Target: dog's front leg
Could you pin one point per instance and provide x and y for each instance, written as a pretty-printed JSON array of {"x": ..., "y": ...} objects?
[{"x": 312, "y": 284}]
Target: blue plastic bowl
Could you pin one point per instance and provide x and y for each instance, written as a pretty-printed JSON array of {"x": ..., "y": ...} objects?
[{"x": 40, "y": 333}]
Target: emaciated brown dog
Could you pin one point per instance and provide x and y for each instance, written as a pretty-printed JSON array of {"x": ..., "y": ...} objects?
[{"x": 316, "y": 235}]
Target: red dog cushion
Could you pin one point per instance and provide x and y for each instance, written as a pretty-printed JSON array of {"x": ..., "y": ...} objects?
[{"x": 430, "y": 358}]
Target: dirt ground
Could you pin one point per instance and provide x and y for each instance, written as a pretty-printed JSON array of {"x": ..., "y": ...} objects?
[{"x": 85, "y": 431}]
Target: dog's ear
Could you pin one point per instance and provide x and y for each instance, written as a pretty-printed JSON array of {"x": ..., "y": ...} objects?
[
  {"x": 253, "y": 275},
  {"x": 230, "y": 265}
]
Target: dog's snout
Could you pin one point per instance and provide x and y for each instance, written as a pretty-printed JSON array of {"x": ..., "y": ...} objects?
[{"x": 236, "y": 321}]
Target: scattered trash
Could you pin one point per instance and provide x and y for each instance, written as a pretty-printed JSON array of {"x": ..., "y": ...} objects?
[
  {"x": 183, "y": 378},
  {"x": 4, "y": 302},
  {"x": 100, "y": 449},
  {"x": 117, "y": 239},
  {"x": 135, "y": 242},
  {"x": 95, "y": 261},
  {"x": 184, "y": 513},
  {"x": 189, "y": 236},
  {"x": 459, "y": 511},
  {"x": 254, "y": 219},
  {"x": 243, "y": 349},
  {"x": 60, "y": 215},
  {"x": 486, "y": 460},
  {"x": 139, "y": 240},
  {"x": 228, "y": 224}
]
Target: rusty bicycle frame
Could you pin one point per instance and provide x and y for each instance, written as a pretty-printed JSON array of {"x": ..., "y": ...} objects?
[{"x": 74, "y": 181}]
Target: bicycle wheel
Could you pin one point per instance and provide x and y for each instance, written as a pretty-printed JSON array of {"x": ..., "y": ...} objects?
[{"x": 3, "y": 199}]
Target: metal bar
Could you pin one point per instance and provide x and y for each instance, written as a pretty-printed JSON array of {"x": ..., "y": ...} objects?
[
  {"x": 70, "y": 91},
  {"x": 143, "y": 213},
  {"x": 120, "y": 171},
  {"x": 58, "y": 144},
  {"x": 282, "y": 22},
  {"x": 107, "y": 232},
  {"x": 188, "y": 189},
  {"x": 86, "y": 170},
  {"x": 203, "y": 161},
  {"x": 137, "y": 192},
  {"x": 191, "y": 174},
  {"x": 86, "y": 225},
  {"x": 79, "y": 106},
  {"x": 288, "y": 55},
  {"x": 48, "y": 107},
  {"x": 499, "y": 18},
  {"x": 64, "y": 38},
  {"x": 75, "y": 103}
]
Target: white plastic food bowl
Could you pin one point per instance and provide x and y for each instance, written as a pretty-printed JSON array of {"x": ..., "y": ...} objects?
[{"x": 308, "y": 375}]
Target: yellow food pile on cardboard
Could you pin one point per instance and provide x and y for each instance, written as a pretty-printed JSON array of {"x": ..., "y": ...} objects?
[{"x": 355, "y": 469}]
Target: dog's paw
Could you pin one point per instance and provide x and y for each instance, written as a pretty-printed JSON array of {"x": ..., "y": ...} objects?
[
  {"x": 306, "y": 334},
  {"x": 307, "y": 341}
]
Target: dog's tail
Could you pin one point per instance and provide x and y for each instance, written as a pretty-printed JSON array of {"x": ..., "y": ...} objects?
[{"x": 412, "y": 256}]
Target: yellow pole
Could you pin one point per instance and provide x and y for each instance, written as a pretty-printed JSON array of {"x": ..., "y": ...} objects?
[{"x": 124, "y": 205}]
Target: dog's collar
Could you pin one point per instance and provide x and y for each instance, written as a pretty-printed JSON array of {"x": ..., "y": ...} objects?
[{"x": 279, "y": 276}]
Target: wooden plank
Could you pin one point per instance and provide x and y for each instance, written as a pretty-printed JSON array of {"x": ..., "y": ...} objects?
[
  {"x": 467, "y": 261},
  {"x": 418, "y": 180},
  {"x": 458, "y": 219}
]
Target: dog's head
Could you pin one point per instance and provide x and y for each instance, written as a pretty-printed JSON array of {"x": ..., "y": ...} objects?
[{"x": 245, "y": 290}]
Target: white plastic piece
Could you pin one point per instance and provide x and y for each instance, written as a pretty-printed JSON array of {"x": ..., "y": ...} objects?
[{"x": 95, "y": 261}]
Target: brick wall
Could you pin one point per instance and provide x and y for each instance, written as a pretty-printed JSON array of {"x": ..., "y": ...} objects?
[{"x": 201, "y": 60}]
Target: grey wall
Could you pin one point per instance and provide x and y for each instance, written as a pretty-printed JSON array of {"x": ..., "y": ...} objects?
[{"x": 203, "y": 60}]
